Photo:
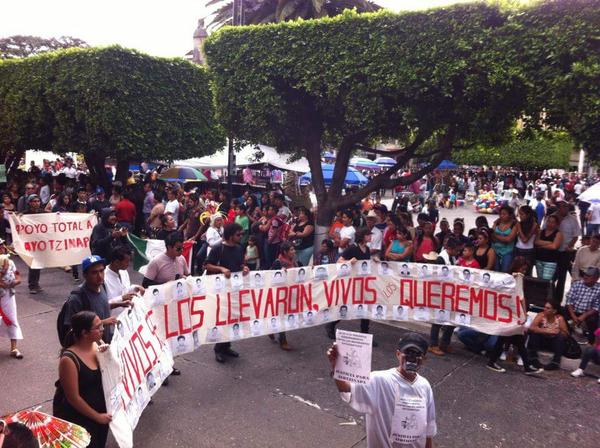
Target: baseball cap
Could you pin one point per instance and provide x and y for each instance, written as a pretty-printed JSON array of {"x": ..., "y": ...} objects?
[
  {"x": 99, "y": 190},
  {"x": 592, "y": 271},
  {"x": 91, "y": 260},
  {"x": 413, "y": 340}
]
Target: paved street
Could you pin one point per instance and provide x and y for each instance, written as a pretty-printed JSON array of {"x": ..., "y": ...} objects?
[{"x": 270, "y": 398}]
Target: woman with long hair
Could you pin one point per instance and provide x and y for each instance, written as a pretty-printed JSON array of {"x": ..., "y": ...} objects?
[
  {"x": 547, "y": 243},
  {"x": 424, "y": 243},
  {"x": 302, "y": 235},
  {"x": 484, "y": 254},
  {"x": 63, "y": 203},
  {"x": 400, "y": 249},
  {"x": 503, "y": 237},
  {"x": 527, "y": 230},
  {"x": 79, "y": 396}
]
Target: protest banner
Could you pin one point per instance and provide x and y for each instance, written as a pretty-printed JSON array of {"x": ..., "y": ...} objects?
[
  {"x": 135, "y": 365},
  {"x": 355, "y": 350},
  {"x": 210, "y": 309},
  {"x": 50, "y": 240}
]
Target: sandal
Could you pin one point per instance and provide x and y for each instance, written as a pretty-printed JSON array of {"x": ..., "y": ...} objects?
[{"x": 16, "y": 354}]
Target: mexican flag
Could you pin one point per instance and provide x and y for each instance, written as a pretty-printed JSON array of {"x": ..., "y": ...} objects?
[{"x": 146, "y": 250}]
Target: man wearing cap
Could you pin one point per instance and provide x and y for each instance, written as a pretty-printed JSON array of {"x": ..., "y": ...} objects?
[
  {"x": 583, "y": 301},
  {"x": 100, "y": 202},
  {"x": 398, "y": 402},
  {"x": 376, "y": 234},
  {"x": 570, "y": 229},
  {"x": 91, "y": 296}
]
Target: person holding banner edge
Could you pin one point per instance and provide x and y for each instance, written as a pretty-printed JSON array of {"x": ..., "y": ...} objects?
[
  {"x": 394, "y": 397},
  {"x": 225, "y": 258}
]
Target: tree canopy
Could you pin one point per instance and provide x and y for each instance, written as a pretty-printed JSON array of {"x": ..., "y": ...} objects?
[
  {"x": 438, "y": 80},
  {"x": 22, "y": 46},
  {"x": 266, "y": 11},
  {"x": 107, "y": 102}
]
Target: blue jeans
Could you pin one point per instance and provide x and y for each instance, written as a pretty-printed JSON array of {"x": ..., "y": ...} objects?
[
  {"x": 503, "y": 262},
  {"x": 475, "y": 341},
  {"x": 303, "y": 255},
  {"x": 592, "y": 229}
]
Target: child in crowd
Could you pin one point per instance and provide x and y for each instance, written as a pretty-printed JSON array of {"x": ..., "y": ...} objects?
[
  {"x": 252, "y": 256},
  {"x": 468, "y": 257}
]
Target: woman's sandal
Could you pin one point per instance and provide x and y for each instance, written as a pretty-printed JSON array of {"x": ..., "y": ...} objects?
[{"x": 16, "y": 354}]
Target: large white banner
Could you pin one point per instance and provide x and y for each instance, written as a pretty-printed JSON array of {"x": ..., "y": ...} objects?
[
  {"x": 49, "y": 240},
  {"x": 210, "y": 309},
  {"x": 136, "y": 363}
]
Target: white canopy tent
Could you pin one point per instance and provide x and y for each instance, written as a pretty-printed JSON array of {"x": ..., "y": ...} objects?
[{"x": 247, "y": 156}]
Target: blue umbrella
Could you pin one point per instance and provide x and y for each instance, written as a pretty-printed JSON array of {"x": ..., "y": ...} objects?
[
  {"x": 385, "y": 161},
  {"x": 447, "y": 165},
  {"x": 364, "y": 164},
  {"x": 353, "y": 176},
  {"x": 328, "y": 155}
]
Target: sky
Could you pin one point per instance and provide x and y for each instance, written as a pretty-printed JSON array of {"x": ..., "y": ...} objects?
[{"x": 156, "y": 27}]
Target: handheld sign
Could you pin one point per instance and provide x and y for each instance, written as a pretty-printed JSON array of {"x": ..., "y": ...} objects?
[{"x": 354, "y": 356}]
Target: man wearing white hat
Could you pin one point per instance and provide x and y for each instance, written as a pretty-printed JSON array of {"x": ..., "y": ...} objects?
[{"x": 376, "y": 234}]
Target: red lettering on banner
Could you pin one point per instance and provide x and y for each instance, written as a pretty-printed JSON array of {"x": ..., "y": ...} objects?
[
  {"x": 371, "y": 290},
  {"x": 306, "y": 296},
  {"x": 462, "y": 295},
  {"x": 196, "y": 312},
  {"x": 406, "y": 299},
  {"x": 230, "y": 320},
  {"x": 153, "y": 328},
  {"x": 501, "y": 298},
  {"x": 431, "y": 294},
  {"x": 186, "y": 304},
  {"x": 169, "y": 334},
  {"x": 136, "y": 343},
  {"x": 346, "y": 286},
  {"x": 89, "y": 224},
  {"x": 518, "y": 300},
  {"x": 328, "y": 287},
  {"x": 358, "y": 282},
  {"x": 217, "y": 320},
  {"x": 255, "y": 303},
  {"x": 269, "y": 304},
  {"x": 448, "y": 290},
  {"x": 422, "y": 296},
  {"x": 494, "y": 314},
  {"x": 282, "y": 295},
  {"x": 294, "y": 293},
  {"x": 148, "y": 346},
  {"x": 243, "y": 304},
  {"x": 476, "y": 298},
  {"x": 128, "y": 383}
]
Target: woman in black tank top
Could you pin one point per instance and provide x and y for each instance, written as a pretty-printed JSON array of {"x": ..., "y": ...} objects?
[
  {"x": 79, "y": 369},
  {"x": 484, "y": 254}
]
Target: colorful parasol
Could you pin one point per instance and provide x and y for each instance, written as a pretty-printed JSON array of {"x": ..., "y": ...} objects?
[
  {"x": 182, "y": 174},
  {"x": 50, "y": 431}
]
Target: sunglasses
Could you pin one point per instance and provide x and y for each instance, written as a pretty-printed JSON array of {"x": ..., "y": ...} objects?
[{"x": 178, "y": 248}]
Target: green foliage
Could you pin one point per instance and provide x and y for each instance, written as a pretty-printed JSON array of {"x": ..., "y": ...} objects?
[
  {"x": 23, "y": 46},
  {"x": 110, "y": 101},
  {"x": 522, "y": 153}
]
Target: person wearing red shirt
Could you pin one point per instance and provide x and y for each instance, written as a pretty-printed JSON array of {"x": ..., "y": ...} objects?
[
  {"x": 125, "y": 211},
  {"x": 468, "y": 258}
]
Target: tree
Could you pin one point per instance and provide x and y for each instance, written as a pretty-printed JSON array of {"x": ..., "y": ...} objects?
[
  {"x": 267, "y": 11},
  {"x": 557, "y": 47},
  {"x": 432, "y": 79},
  {"x": 538, "y": 152},
  {"x": 107, "y": 102},
  {"x": 23, "y": 46}
]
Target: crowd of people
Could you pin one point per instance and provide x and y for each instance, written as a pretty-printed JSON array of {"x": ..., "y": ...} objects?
[{"x": 536, "y": 233}]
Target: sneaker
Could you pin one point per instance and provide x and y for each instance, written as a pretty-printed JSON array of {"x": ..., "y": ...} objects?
[
  {"x": 503, "y": 356},
  {"x": 552, "y": 366},
  {"x": 577, "y": 373},
  {"x": 495, "y": 367},
  {"x": 530, "y": 370},
  {"x": 519, "y": 361},
  {"x": 536, "y": 364},
  {"x": 435, "y": 350}
]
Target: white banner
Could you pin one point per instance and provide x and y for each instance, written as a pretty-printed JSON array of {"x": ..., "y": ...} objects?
[
  {"x": 50, "y": 240},
  {"x": 210, "y": 309},
  {"x": 133, "y": 368}
]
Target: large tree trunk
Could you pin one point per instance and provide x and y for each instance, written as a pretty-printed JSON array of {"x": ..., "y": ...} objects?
[
  {"x": 122, "y": 171},
  {"x": 95, "y": 163}
]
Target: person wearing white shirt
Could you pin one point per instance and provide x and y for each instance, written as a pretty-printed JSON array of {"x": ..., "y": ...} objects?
[
  {"x": 376, "y": 234},
  {"x": 172, "y": 206},
  {"x": 119, "y": 289},
  {"x": 398, "y": 402},
  {"x": 346, "y": 236},
  {"x": 214, "y": 234},
  {"x": 69, "y": 170}
]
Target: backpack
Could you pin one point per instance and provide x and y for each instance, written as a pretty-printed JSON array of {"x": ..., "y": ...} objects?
[{"x": 63, "y": 329}]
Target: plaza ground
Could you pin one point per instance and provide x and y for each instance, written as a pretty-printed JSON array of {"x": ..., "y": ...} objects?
[{"x": 272, "y": 398}]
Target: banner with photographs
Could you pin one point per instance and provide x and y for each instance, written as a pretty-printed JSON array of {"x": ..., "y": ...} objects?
[
  {"x": 136, "y": 363},
  {"x": 204, "y": 310}
]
